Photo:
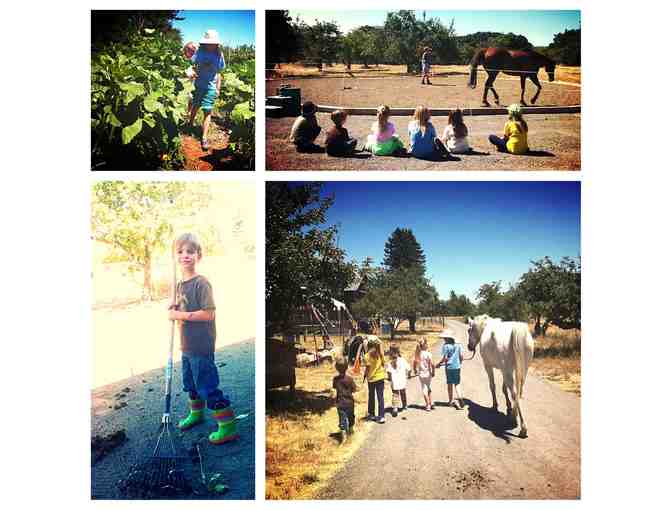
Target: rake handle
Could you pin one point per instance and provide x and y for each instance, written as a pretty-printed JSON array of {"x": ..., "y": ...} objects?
[{"x": 169, "y": 364}]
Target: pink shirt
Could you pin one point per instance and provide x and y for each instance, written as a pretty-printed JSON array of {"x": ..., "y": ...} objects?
[{"x": 385, "y": 134}]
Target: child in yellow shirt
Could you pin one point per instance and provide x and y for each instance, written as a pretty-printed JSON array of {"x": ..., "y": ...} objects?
[
  {"x": 515, "y": 133},
  {"x": 374, "y": 375}
]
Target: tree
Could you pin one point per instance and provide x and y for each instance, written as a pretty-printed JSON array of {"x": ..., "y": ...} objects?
[
  {"x": 282, "y": 38},
  {"x": 366, "y": 43},
  {"x": 137, "y": 219},
  {"x": 553, "y": 293},
  {"x": 396, "y": 295},
  {"x": 402, "y": 251},
  {"x": 404, "y": 34},
  {"x": 109, "y": 26},
  {"x": 321, "y": 42},
  {"x": 457, "y": 305},
  {"x": 566, "y": 47},
  {"x": 302, "y": 259}
]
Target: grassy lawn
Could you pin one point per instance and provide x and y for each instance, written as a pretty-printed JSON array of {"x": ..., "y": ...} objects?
[{"x": 302, "y": 449}]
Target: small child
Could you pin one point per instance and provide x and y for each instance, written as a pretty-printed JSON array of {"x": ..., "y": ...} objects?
[
  {"x": 195, "y": 309},
  {"x": 452, "y": 357},
  {"x": 455, "y": 137},
  {"x": 383, "y": 141},
  {"x": 374, "y": 374},
  {"x": 423, "y": 366},
  {"x": 338, "y": 140},
  {"x": 345, "y": 402},
  {"x": 209, "y": 62},
  {"x": 305, "y": 129},
  {"x": 398, "y": 371},
  {"x": 424, "y": 143},
  {"x": 188, "y": 51},
  {"x": 426, "y": 64},
  {"x": 515, "y": 133}
]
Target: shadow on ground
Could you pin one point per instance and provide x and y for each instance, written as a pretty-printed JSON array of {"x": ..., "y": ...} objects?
[
  {"x": 491, "y": 420},
  {"x": 293, "y": 405}
]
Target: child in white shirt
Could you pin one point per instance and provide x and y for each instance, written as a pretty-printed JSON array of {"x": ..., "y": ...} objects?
[{"x": 398, "y": 371}]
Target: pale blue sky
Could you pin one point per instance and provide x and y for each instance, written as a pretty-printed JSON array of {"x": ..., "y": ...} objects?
[
  {"x": 538, "y": 26},
  {"x": 471, "y": 232}
]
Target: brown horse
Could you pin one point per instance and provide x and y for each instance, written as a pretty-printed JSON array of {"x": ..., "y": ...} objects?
[{"x": 523, "y": 63}]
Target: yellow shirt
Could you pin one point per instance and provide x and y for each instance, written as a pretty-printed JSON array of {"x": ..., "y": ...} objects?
[
  {"x": 516, "y": 136},
  {"x": 376, "y": 368}
]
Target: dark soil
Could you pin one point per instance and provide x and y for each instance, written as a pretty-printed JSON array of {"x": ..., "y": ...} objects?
[{"x": 217, "y": 157}]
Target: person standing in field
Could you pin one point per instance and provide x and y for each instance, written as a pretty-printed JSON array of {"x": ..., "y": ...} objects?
[
  {"x": 195, "y": 311},
  {"x": 426, "y": 64},
  {"x": 452, "y": 358},
  {"x": 423, "y": 366},
  {"x": 209, "y": 62},
  {"x": 345, "y": 402}
]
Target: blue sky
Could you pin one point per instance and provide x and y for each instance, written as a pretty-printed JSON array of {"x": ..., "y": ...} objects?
[
  {"x": 471, "y": 232},
  {"x": 538, "y": 26},
  {"x": 235, "y": 27}
]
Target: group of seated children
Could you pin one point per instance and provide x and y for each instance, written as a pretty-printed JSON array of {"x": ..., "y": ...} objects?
[
  {"x": 397, "y": 371},
  {"x": 424, "y": 141}
]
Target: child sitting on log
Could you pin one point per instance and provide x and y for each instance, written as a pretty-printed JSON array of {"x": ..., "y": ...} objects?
[
  {"x": 305, "y": 129},
  {"x": 338, "y": 140}
]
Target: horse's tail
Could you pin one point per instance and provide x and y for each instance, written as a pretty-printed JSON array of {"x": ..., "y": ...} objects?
[
  {"x": 523, "y": 349},
  {"x": 476, "y": 60}
]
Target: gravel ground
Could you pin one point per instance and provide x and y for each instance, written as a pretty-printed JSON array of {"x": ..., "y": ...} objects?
[
  {"x": 474, "y": 453},
  {"x": 135, "y": 405},
  {"x": 555, "y": 141}
]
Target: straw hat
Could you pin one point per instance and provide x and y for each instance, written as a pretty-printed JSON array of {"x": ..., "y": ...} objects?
[
  {"x": 210, "y": 37},
  {"x": 447, "y": 333}
]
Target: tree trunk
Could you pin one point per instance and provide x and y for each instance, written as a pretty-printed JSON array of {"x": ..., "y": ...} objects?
[
  {"x": 411, "y": 324},
  {"x": 147, "y": 293},
  {"x": 537, "y": 326}
]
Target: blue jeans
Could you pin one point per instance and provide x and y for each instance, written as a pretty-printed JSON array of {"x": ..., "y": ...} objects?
[
  {"x": 376, "y": 389},
  {"x": 346, "y": 418},
  {"x": 201, "y": 380},
  {"x": 498, "y": 142}
]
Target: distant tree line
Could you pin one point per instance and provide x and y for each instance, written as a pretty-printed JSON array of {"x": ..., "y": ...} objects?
[{"x": 400, "y": 40}]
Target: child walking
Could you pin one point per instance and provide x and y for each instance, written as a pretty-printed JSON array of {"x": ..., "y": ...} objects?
[
  {"x": 374, "y": 374},
  {"x": 338, "y": 142},
  {"x": 515, "y": 133},
  {"x": 455, "y": 136},
  {"x": 423, "y": 366},
  {"x": 424, "y": 143},
  {"x": 383, "y": 141},
  {"x": 209, "y": 62},
  {"x": 195, "y": 309},
  {"x": 305, "y": 129},
  {"x": 398, "y": 371},
  {"x": 345, "y": 402},
  {"x": 452, "y": 358}
]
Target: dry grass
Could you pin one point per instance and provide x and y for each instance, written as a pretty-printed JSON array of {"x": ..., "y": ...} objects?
[
  {"x": 302, "y": 449},
  {"x": 568, "y": 74},
  {"x": 557, "y": 358}
]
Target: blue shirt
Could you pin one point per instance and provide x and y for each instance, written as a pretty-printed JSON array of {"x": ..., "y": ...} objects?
[
  {"x": 208, "y": 65},
  {"x": 422, "y": 146},
  {"x": 452, "y": 354}
]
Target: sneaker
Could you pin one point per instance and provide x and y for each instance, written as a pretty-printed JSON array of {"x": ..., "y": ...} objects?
[
  {"x": 204, "y": 144},
  {"x": 432, "y": 406},
  {"x": 341, "y": 437},
  {"x": 381, "y": 420},
  {"x": 428, "y": 408},
  {"x": 369, "y": 417}
]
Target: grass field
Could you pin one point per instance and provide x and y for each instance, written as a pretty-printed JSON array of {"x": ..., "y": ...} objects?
[
  {"x": 302, "y": 449},
  {"x": 568, "y": 74},
  {"x": 557, "y": 358}
]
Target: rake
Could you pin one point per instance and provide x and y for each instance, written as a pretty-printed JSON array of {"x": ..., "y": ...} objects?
[{"x": 162, "y": 475}]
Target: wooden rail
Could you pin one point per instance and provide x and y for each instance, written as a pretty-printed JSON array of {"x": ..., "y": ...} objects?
[{"x": 406, "y": 112}]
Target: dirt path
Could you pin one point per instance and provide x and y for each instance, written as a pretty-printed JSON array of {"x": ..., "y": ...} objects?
[
  {"x": 217, "y": 157},
  {"x": 135, "y": 405},
  {"x": 469, "y": 454}
]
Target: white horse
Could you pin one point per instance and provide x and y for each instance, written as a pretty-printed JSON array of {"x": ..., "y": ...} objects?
[{"x": 509, "y": 347}]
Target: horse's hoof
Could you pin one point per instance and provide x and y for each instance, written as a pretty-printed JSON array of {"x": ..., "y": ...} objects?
[
  {"x": 523, "y": 103},
  {"x": 485, "y": 103},
  {"x": 523, "y": 433}
]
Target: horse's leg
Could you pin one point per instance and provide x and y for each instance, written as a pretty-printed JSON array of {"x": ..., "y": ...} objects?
[
  {"x": 492, "y": 87},
  {"x": 491, "y": 379},
  {"x": 509, "y": 409},
  {"x": 534, "y": 79},
  {"x": 517, "y": 412},
  {"x": 488, "y": 84},
  {"x": 523, "y": 78}
]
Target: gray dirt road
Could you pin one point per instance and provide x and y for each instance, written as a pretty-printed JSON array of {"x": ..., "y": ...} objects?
[
  {"x": 469, "y": 454},
  {"x": 135, "y": 405}
]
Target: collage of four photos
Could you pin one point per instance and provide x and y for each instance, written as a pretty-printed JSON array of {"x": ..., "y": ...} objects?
[{"x": 426, "y": 329}]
